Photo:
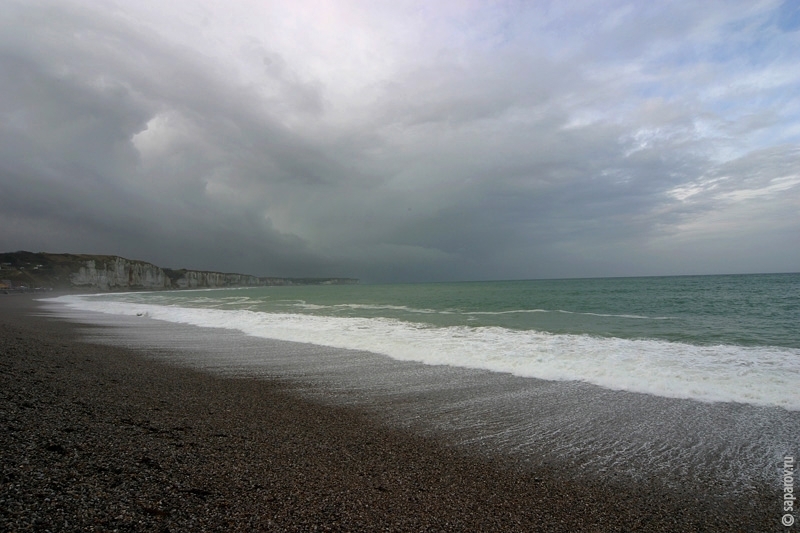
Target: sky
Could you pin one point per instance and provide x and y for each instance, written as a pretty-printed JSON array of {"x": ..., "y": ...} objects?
[{"x": 404, "y": 141}]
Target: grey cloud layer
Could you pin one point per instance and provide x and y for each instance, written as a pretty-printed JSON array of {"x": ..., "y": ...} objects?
[{"x": 653, "y": 140}]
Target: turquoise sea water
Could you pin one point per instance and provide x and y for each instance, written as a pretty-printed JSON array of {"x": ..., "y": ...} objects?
[{"x": 713, "y": 338}]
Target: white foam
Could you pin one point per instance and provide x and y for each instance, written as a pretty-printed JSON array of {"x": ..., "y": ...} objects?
[
  {"x": 300, "y": 304},
  {"x": 766, "y": 376},
  {"x": 607, "y": 315}
]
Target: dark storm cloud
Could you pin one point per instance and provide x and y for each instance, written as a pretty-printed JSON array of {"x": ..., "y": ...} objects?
[
  {"x": 80, "y": 90},
  {"x": 394, "y": 143}
]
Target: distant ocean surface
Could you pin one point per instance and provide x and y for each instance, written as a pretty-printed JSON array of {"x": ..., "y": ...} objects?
[{"x": 733, "y": 338}]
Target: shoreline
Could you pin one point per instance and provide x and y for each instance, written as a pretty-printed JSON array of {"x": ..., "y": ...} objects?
[{"x": 101, "y": 437}]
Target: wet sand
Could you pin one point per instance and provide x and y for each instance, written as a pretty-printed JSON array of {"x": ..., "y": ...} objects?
[{"x": 100, "y": 438}]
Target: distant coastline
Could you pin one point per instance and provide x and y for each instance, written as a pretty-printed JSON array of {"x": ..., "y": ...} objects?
[{"x": 24, "y": 271}]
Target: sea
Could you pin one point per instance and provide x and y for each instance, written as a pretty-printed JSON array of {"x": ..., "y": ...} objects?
[{"x": 685, "y": 379}]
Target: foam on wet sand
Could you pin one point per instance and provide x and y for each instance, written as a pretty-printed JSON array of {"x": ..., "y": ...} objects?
[{"x": 102, "y": 437}]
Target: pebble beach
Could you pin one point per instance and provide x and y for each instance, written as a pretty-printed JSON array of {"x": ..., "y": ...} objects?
[{"x": 101, "y": 438}]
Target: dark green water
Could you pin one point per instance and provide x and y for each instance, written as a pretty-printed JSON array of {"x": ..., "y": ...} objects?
[{"x": 733, "y": 337}]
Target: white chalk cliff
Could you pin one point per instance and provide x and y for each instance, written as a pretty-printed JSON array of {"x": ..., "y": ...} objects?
[
  {"x": 119, "y": 273},
  {"x": 110, "y": 272}
]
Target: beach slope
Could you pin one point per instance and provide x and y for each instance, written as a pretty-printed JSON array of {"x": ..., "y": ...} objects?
[{"x": 99, "y": 438}]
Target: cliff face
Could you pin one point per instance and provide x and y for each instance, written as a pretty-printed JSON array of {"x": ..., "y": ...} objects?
[
  {"x": 192, "y": 279},
  {"x": 105, "y": 272},
  {"x": 119, "y": 273}
]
